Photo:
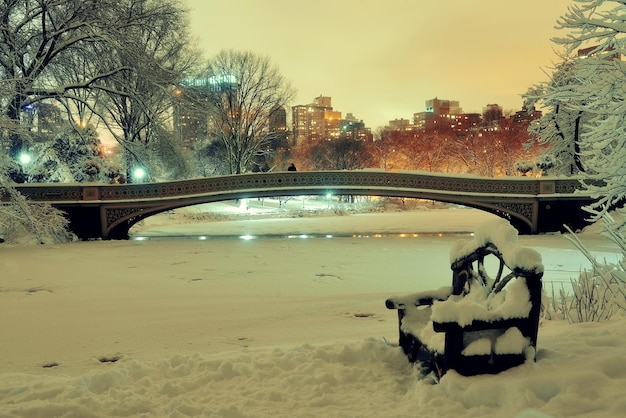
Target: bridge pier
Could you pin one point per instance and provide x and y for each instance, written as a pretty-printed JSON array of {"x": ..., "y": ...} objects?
[
  {"x": 553, "y": 214},
  {"x": 85, "y": 221}
]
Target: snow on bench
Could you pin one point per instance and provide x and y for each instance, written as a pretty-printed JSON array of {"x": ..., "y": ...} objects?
[{"x": 479, "y": 324}]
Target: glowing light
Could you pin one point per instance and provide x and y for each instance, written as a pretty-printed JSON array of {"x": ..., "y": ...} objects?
[
  {"x": 246, "y": 237},
  {"x": 139, "y": 173},
  {"x": 223, "y": 79},
  {"x": 24, "y": 158},
  {"x": 302, "y": 236}
]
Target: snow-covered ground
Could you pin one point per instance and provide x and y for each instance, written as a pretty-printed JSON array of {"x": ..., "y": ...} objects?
[{"x": 222, "y": 326}]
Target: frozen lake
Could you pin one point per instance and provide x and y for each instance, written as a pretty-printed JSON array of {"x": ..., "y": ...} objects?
[{"x": 427, "y": 234}]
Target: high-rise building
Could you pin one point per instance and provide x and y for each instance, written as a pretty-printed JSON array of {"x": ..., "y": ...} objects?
[
  {"x": 443, "y": 107},
  {"x": 277, "y": 126},
  {"x": 190, "y": 113},
  {"x": 190, "y": 117},
  {"x": 353, "y": 128},
  {"x": 309, "y": 121},
  {"x": 278, "y": 120},
  {"x": 318, "y": 120},
  {"x": 439, "y": 115}
]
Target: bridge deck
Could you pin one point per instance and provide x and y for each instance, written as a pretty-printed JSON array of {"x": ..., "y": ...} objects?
[{"x": 531, "y": 204}]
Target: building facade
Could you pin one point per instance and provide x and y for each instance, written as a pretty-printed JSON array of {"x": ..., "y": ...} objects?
[
  {"x": 190, "y": 113},
  {"x": 439, "y": 115},
  {"x": 318, "y": 120}
]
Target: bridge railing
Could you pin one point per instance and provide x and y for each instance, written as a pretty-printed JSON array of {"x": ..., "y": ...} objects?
[{"x": 55, "y": 192}]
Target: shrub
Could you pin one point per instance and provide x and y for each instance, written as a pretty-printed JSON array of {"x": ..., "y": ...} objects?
[{"x": 601, "y": 292}]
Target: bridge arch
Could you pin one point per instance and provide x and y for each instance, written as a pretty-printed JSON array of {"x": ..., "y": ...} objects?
[{"x": 119, "y": 228}]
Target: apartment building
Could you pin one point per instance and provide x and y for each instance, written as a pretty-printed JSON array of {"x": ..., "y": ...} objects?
[{"x": 318, "y": 120}]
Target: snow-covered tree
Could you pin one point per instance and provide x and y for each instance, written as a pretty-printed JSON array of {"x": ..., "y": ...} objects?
[
  {"x": 596, "y": 32},
  {"x": 158, "y": 57},
  {"x": 561, "y": 125},
  {"x": 24, "y": 222},
  {"x": 166, "y": 158},
  {"x": 596, "y": 89},
  {"x": 84, "y": 53},
  {"x": 74, "y": 155}
]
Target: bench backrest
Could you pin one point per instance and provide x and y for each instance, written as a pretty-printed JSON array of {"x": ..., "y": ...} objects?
[{"x": 471, "y": 271}]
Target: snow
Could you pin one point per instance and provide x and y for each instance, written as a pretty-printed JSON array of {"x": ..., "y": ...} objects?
[
  {"x": 479, "y": 347},
  {"x": 414, "y": 298},
  {"x": 227, "y": 327},
  {"x": 510, "y": 342},
  {"x": 480, "y": 304},
  {"x": 500, "y": 233}
]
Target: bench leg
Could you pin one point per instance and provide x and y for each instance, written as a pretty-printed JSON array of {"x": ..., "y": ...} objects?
[{"x": 453, "y": 348}]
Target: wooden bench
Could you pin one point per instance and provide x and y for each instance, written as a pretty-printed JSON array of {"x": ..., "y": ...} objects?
[{"x": 480, "y": 324}]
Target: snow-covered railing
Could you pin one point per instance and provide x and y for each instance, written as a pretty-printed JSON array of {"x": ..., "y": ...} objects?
[{"x": 480, "y": 324}]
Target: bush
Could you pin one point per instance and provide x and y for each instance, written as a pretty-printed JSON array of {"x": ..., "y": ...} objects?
[
  {"x": 23, "y": 222},
  {"x": 601, "y": 292}
]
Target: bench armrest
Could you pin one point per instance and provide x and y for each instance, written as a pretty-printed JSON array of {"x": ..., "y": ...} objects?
[{"x": 419, "y": 298}]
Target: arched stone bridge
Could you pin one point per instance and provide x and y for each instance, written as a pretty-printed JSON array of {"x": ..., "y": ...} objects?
[{"x": 532, "y": 205}]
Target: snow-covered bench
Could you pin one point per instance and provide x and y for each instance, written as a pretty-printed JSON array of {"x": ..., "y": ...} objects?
[{"x": 480, "y": 324}]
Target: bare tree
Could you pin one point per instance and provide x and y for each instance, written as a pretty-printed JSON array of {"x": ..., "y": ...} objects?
[
  {"x": 334, "y": 154},
  {"x": 245, "y": 89},
  {"x": 157, "y": 58},
  {"x": 382, "y": 148}
]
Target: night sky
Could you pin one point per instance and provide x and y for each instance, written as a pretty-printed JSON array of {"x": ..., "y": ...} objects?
[{"x": 381, "y": 60}]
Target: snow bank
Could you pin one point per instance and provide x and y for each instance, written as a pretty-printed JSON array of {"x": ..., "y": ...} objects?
[{"x": 580, "y": 372}]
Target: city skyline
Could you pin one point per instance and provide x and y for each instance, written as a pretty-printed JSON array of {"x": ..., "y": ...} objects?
[{"x": 384, "y": 63}]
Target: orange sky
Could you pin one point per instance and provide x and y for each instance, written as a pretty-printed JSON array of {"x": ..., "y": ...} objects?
[{"x": 381, "y": 60}]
